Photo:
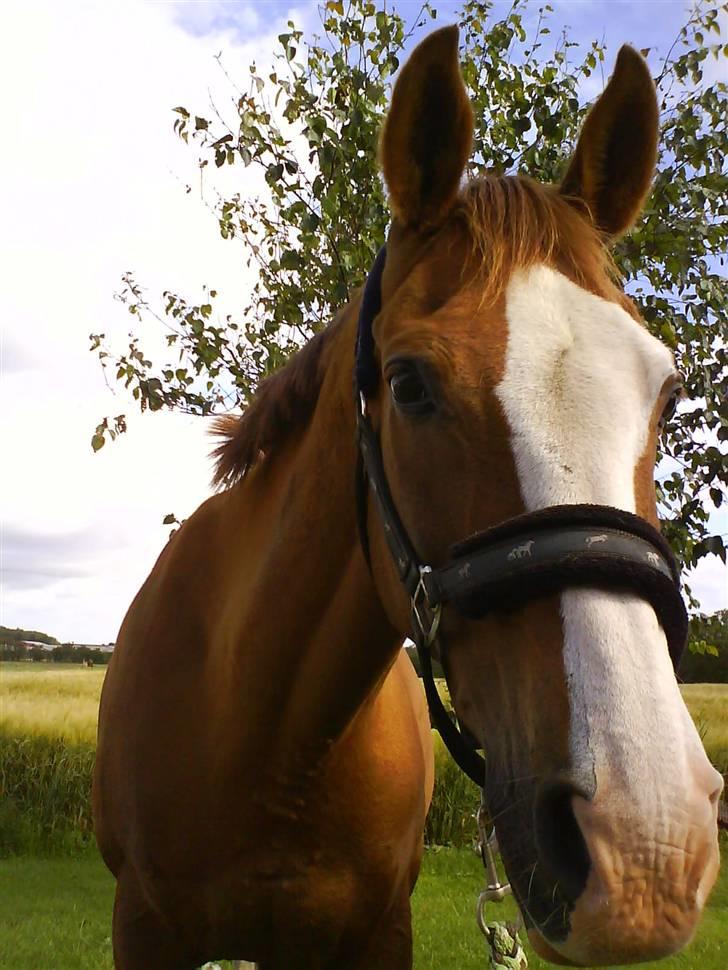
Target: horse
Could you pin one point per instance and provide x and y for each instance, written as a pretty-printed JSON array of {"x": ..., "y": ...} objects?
[{"x": 264, "y": 762}]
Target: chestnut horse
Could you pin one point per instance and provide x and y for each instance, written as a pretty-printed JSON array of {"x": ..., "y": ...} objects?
[{"x": 264, "y": 760}]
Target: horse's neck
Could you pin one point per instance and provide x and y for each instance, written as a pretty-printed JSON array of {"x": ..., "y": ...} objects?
[{"x": 312, "y": 629}]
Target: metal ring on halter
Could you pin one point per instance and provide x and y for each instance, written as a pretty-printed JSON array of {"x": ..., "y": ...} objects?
[
  {"x": 480, "y": 915},
  {"x": 428, "y": 621}
]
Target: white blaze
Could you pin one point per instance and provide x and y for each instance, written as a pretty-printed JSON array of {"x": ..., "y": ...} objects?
[{"x": 581, "y": 381}]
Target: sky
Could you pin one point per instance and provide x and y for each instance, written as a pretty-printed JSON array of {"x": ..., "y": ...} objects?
[{"x": 94, "y": 184}]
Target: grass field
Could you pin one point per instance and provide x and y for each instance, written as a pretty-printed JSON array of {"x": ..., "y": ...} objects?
[
  {"x": 47, "y": 737},
  {"x": 56, "y": 913},
  {"x": 59, "y": 700},
  {"x": 708, "y": 704},
  {"x": 55, "y": 910},
  {"x": 62, "y": 700}
]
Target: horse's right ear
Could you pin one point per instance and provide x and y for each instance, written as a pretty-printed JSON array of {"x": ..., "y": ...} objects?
[
  {"x": 428, "y": 133},
  {"x": 614, "y": 163}
]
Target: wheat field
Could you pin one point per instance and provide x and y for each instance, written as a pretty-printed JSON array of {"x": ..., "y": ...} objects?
[
  {"x": 58, "y": 700},
  {"x": 48, "y": 716},
  {"x": 61, "y": 701}
]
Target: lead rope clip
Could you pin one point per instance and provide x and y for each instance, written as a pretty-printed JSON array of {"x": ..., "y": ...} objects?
[{"x": 504, "y": 947}]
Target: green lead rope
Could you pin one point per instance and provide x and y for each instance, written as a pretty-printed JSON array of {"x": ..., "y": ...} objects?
[{"x": 504, "y": 947}]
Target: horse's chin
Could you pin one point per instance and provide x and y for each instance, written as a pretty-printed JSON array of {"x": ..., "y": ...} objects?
[{"x": 546, "y": 951}]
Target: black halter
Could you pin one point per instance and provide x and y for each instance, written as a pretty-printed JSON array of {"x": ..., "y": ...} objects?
[{"x": 563, "y": 546}]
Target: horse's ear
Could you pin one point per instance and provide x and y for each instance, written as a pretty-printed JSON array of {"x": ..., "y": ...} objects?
[
  {"x": 614, "y": 163},
  {"x": 428, "y": 133}
]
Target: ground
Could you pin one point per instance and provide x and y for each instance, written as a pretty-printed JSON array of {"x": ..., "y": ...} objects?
[{"x": 55, "y": 913}]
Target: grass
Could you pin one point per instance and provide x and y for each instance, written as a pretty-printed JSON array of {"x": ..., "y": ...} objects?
[
  {"x": 45, "y": 793},
  {"x": 56, "y": 700},
  {"x": 56, "y": 913},
  {"x": 47, "y": 739},
  {"x": 451, "y": 819},
  {"x": 61, "y": 700},
  {"x": 708, "y": 704},
  {"x": 446, "y": 936},
  {"x": 48, "y": 730}
]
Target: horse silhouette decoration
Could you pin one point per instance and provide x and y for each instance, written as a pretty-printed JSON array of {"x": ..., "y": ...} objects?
[{"x": 264, "y": 762}]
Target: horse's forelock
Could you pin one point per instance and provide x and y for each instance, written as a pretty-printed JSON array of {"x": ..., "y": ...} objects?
[{"x": 515, "y": 222}]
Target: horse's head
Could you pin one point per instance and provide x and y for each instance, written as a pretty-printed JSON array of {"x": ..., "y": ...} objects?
[{"x": 517, "y": 376}]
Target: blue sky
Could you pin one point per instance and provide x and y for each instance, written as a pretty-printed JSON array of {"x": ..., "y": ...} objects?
[
  {"x": 108, "y": 185},
  {"x": 643, "y": 23}
]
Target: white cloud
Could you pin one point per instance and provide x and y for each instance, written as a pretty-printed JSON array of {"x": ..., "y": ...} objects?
[
  {"x": 93, "y": 185},
  {"x": 709, "y": 581}
]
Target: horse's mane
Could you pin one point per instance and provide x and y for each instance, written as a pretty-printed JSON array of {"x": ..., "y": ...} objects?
[
  {"x": 283, "y": 402},
  {"x": 513, "y": 222}
]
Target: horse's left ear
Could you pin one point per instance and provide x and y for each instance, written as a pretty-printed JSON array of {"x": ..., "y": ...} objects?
[
  {"x": 428, "y": 134},
  {"x": 614, "y": 163}
]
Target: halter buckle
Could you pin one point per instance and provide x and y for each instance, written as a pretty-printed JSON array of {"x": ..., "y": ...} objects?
[{"x": 426, "y": 616}]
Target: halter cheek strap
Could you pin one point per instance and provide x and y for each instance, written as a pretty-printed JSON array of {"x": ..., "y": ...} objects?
[{"x": 531, "y": 555}]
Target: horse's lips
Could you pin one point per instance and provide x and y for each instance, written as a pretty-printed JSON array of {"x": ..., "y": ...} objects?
[{"x": 546, "y": 951}]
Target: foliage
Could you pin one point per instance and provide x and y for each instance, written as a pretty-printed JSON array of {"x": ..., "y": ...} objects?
[
  {"x": 71, "y": 653},
  {"x": 22, "y": 651},
  {"x": 17, "y": 635},
  {"x": 707, "y": 660},
  {"x": 309, "y": 127},
  {"x": 64, "y": 653}
]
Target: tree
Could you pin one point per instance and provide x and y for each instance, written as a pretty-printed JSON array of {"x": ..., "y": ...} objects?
[
  {"x": 707, "y": 659},
  {"x": 8, "y": 635},
  {"x": 311, "y": 126}
]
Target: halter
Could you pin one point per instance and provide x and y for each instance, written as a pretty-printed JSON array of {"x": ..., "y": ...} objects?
[{"x": 552, "y": 549}]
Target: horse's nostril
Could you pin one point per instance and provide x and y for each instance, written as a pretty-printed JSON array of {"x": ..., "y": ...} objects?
[{"x": 561, "y": 846}]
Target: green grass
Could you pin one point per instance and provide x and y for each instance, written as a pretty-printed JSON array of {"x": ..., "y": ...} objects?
[
  {"x": 48, "y": 731},
  {"x": 446, "y": 934},
  {"x": 56, "y": 913},
  {"x": 45, "y": 793},
  {"x": 708, "y": 705},
  {"x": 451, "y": 819}
]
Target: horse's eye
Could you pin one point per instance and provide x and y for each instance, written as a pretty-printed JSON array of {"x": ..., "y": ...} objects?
[
  {"x": 409, "y": 390},
  {"x": 669, "y": 412}
]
